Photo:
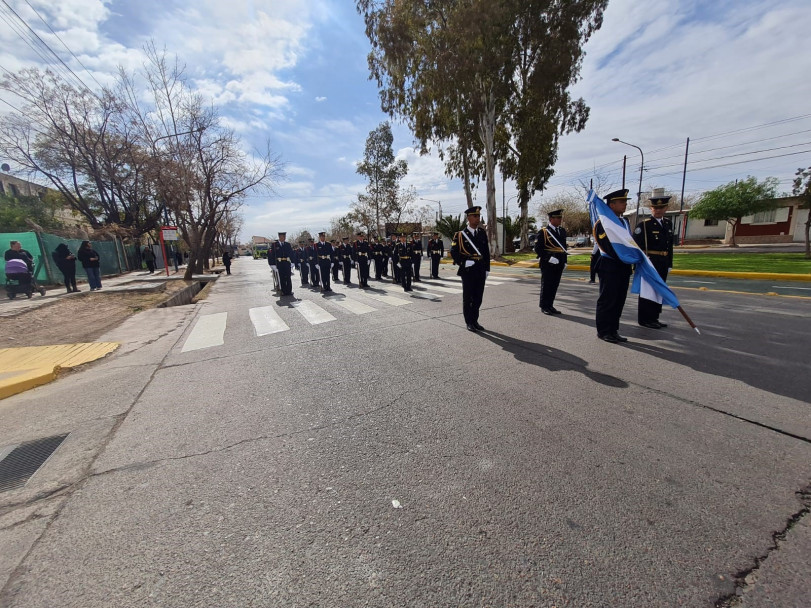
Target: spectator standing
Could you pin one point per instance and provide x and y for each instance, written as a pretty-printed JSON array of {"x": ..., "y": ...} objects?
[
  {"x": 90, "y": 260},
  {"x": 226, "y": 261},
  {"x": 149, "y": 258},
  {"x": 66, "y": 263}
]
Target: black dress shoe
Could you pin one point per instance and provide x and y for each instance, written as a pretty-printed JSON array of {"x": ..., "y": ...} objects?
[
  {"x": 477, "y": 326},
  {"x": 555, "y": 311},
  {"x": 608, "y": 338},
  {"x": 471, "y": 327},
  {"x": 619, "y": 338},
  {"x": 547, "y": 311},
  {"x": 651, "y": 324},
  {"x": 662, "y": 325}
]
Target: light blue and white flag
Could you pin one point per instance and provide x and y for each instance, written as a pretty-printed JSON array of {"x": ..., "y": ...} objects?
[{"x": 647, "y": 282}]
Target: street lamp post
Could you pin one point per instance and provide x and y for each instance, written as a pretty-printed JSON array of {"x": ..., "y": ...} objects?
[
  {"x": 430, "y": 200},
  {"x": 641, "y": 167}
]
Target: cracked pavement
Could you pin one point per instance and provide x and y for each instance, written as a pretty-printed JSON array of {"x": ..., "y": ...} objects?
[{"x": 533, "y": 464}]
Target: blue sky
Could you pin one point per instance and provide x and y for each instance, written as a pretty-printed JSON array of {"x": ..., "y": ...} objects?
[{"x": 727, "y": 74}]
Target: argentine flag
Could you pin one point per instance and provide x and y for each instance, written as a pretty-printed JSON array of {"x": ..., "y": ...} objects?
[{"x": 647, "y": 282}]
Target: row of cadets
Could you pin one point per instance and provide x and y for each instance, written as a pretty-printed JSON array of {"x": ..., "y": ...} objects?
[
  {"x": 551, "y": 250},
  {"x": 323, "y": 253},
  {"x": 471, "y": 253},
  {"x": 402, "y": 256},
  {"x": 436, "y": 251},
  {"x": 280, "y": 259},
  {"x": 361, "y": 254}
]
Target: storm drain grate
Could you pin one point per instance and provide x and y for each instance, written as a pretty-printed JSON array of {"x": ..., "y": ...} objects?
[{"x": 24, "y": 460}]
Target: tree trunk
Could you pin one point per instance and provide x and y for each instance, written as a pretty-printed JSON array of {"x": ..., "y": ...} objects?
[
  {"x": 807, "y": 230},
  {"x": 732, "y": 242},
  {"x": 487, "y": 130}
]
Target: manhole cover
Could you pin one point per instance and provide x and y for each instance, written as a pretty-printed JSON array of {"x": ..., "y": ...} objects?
[{"x": 21, "y": 462}]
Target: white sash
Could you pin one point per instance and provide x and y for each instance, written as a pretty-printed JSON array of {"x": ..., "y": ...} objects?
[{"x": 476, "y": 249}]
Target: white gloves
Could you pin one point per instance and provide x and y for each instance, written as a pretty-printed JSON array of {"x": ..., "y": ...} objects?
[
  {"x": 396, "y": 265},
  {"x": 554, "y": 261},
  {"x": 469, "y": 263},
  {"x": 486, "y": 273}
]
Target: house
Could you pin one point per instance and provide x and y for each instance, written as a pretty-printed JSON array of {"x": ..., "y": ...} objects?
[{"x": 783, "y": 223}]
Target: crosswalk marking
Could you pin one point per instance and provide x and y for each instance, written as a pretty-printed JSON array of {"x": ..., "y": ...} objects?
[
  {"x": 440, "y": 288},
  {"x": 386, "y": 299},
  {"x": 359, "y": 308},
  {"x": 311, "y": 311},
  {"x": 417, "y": 293},
  {"x": 208, "y": 331},
  {"x": 267, "y": 321}
]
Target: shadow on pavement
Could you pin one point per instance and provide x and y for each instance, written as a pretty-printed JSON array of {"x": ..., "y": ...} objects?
[{"x": 549, "y": 358}]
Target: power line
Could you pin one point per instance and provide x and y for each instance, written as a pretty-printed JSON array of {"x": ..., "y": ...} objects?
[
  {"x": 751, "y": 160},
  {"x": 43, "y": 43},
  {"x": 705, "y": 160},
  {"x": 63, "y": 43}
]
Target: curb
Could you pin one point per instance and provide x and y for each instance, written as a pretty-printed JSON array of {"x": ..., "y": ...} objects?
[{"x": 31, "y": 366}]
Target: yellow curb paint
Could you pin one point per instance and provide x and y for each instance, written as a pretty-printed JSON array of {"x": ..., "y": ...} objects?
[
  {"x": 27, "y": 367},
  {"x": 761, "y": 276}
]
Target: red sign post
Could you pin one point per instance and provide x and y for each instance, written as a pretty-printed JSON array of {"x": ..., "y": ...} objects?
[{"x": 168, "y": 233}]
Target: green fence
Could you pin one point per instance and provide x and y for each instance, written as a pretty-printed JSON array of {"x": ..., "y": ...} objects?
[{"x": 114, "y": 256}]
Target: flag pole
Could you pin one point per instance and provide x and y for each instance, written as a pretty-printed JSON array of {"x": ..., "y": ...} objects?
[{"x": 689, "y": 320}]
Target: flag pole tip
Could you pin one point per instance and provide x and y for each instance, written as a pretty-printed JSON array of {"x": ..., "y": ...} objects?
[{"x": 697, "y": 331}]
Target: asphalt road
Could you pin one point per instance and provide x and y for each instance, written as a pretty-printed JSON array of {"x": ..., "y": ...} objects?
[{"x": 366, "y": 450}]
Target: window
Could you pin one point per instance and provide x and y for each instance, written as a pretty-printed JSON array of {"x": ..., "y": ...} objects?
[
  {"x": 765, "y": 217},
  {"x": 710, "y": 222}
]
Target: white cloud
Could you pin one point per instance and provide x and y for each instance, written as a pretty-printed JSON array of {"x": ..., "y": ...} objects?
[{"x": 320, "y": 99}]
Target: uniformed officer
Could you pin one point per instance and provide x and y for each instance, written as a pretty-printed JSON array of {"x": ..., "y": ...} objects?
[
  {"x": 297, "y": 255},
  {"x": 551, "y": 250},
  {"x": 416, "y": 255},
  {"x": 436, "y": 250},
  {"x": 654, "y": 236},
  {"x": 614, "y": 275},
  {"x": 337, "y": 258},
  {"x": 471, "y": 253},
  {"x": 324, "y": 251},
  {"x": 361, "y": 254},
  {"x": 395, "y": 264},
  {"x": 280, "y": 259},
  {"x": 312, "y": 260},
  {"x": 402, "y": 256},
  {"x": 384, "y": 259},
  {"x": 377, "y": 249}
]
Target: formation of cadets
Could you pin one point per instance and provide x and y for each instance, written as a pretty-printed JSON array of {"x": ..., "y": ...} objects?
[{"x": 319, "y": 261}]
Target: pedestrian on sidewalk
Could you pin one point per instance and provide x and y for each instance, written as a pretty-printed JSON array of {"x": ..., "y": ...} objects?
[
  {"x": 16, "y": 252},
  {"x": 66, "y": 263},
  {"x": 149, "y": 258},
  {"x": 91, "y": 262},
  {"x": 226, "y": 261}
]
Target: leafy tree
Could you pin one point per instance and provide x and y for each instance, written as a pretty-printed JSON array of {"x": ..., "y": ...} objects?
[
  {"x": 381, "y": 202},
  {"x": 19, "y": 214},
  {"x": 449, "y": 225},
  {"x": 735, "y": 200},
  {"x": 802, "y": 189},
  {"x": 453, "y": 71}
]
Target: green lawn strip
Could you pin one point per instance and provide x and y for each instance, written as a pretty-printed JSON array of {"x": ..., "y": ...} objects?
[{"x": 783, "y": 263}]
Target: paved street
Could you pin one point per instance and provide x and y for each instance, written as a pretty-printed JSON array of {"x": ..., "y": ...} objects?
[{"x": 364, "y": 449}]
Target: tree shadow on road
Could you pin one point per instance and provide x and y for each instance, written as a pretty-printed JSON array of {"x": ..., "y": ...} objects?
[{"x": 549, "y": 358}]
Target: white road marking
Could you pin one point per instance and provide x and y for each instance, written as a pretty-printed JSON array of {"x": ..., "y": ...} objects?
[
  {"x": 391, "y": 300},
  {"x": 267, "y": 321},
  {"x": 791, "y": 287},
  {"x": 312, "y": 312},
  {"x": 417, "y": 293},
  {"x": 705, "y": 282},
  {"x": 208, "y": 331},
  {"x": 359, "y": 308}
]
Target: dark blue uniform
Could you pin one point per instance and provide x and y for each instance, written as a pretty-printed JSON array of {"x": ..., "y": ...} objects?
[
  {"x": 416, "y": 257},
  {"x": 474, "y": 275},
  {"x": 436, "y": 250},
  {"x": 361, "y": 254},
  {"x": 655, "y": 238},
  {"x": 401, "y": 256},
  {"x": 324, "y": 253},
  {"x": 551, "y": 245},
  {"x": 281, "y": 256},
  {"x": 615, "y": 275}
]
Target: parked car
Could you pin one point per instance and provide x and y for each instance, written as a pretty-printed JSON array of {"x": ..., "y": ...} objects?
[
  {"x": 582, "y": 241},
  {"x": 532, "y": 238}
]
